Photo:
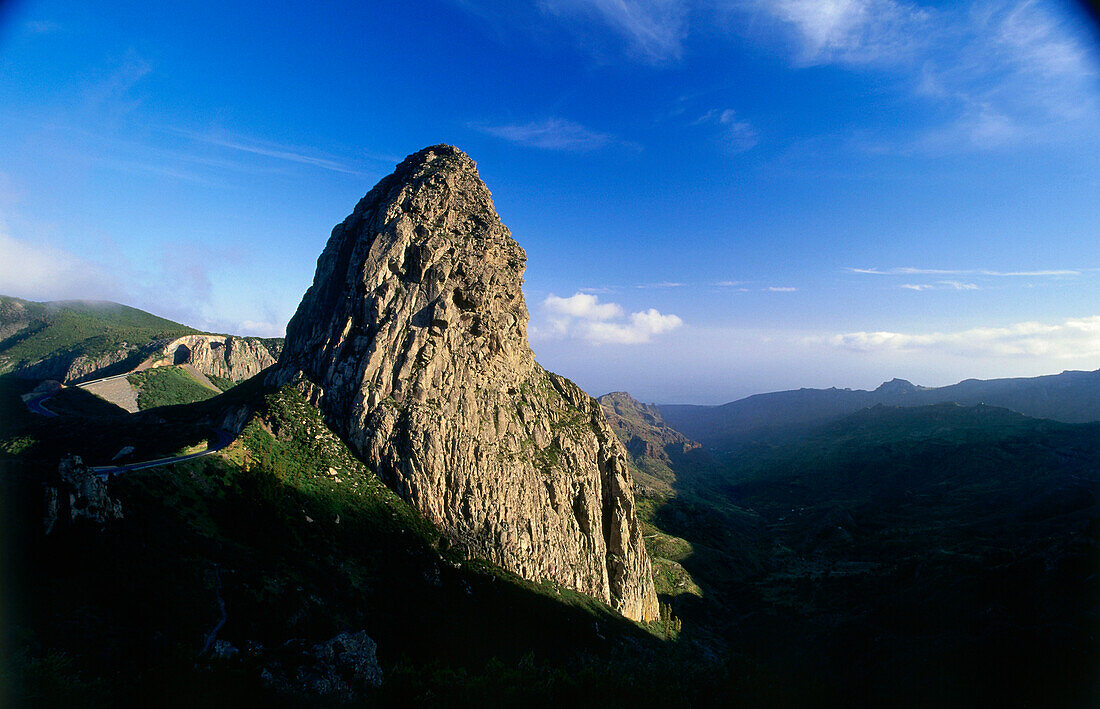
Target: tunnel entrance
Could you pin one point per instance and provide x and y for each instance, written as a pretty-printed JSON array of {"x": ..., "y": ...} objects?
[{"x": 182, "y": 355}]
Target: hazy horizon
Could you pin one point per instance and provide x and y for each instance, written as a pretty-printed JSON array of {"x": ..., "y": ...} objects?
[{"x": 716, "y": 199}]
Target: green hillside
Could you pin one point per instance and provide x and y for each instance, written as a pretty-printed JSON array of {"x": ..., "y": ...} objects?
[
  {"x": 33, "y": 332},
  {"x": 167, "y": 386}
]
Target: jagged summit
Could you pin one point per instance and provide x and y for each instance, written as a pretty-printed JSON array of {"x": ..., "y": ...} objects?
[{"x": 412, "y": 341}]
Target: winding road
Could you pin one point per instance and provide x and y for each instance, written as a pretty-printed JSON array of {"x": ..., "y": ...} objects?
[
  {"x": 223, "y": 439},
  {"x": 36, "y": 405}
]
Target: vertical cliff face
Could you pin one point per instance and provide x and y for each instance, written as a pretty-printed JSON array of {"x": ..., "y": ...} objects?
[
  {"x": 233, "y": 358},
  {"x": 412, "y": 342}
]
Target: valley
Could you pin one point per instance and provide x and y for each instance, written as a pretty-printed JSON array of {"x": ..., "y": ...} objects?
[{"x": 397, "y": 505}]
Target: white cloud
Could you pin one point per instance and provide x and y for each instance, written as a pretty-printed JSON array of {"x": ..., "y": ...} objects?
[
  {"x": 582, "y": 316},
  {"x": 740, "y": 135},
  {"x": 940, "y": 285},
  {"x": 654, "y": 29},
  {"x": 957, "y": 285},
  {"x": 177, "y": 288},
  {"x": 781, "y": 289},
  {"x": 551, "y": 134},
  {"x": 581, "y": 305},
  {"x": 1072, "y": 339},
  {"x": 40, "y": 272}
]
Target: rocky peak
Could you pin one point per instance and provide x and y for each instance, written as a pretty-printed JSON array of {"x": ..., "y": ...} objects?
[
  {"x": 653, "y": 445},
  {"x": 896, "y": 386},
  {"x": 412, "y": 341},
  {"x": 642, "y": 428}
]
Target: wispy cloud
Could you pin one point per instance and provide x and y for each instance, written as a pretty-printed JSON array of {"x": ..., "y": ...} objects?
[
  {"x": 940, "y": 285},
  {"x": 550, "y": 134},
  {"x": 781, "y": 289},
  {"x": 736, "y": 134},
  {"x": 582, "y": 316},
  {"x": 662, "y": 284},
  {"x": 41, "y": 26},
  {"x": 851, "y": 31},
  {"x": 1001, "y": 71},
  {"x": 654, "y": 30},
  {"x": 272, "y": 150},
  {"x": 909, "y": 271},
  {"x": 1077, "y": 338},
  {"x": 114, "y": 93},
  {"x": 1010, "y": 71}
]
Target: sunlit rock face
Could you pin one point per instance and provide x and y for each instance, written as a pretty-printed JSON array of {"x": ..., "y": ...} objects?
[{"x": 412, "y": 341}]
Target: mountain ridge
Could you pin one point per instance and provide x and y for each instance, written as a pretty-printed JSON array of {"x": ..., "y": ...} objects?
[{"x": 1072, "y": 396}]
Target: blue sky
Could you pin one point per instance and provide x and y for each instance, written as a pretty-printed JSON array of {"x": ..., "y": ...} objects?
[{"x": 717, "y": 198}]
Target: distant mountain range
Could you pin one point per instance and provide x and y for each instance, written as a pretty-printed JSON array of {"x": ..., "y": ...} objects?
[{"x": 1071, "y": 397}]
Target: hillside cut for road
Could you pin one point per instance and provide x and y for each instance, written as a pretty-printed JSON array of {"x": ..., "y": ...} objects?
[{"x": 412, "y": 342}]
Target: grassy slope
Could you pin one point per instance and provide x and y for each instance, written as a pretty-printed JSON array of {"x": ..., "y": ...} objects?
[
  {"x": 167, "y": 386},
  {"x": 306, "y": 543},
  {"x": 77, "y": 327}
]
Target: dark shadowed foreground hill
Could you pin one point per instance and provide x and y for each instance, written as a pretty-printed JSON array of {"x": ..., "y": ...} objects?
[{"x": 1072, "y": 397}]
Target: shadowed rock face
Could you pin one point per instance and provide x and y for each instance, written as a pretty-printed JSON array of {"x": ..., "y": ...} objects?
[{"x": 412, "y": 341}]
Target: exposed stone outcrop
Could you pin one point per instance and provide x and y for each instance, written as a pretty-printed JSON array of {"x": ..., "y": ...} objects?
[
  {"x": 234, "y": 358},
  {"x": 340, "y": 668},
  {"x": 655, "y": 448},
  {"x": 68, "y": 367},
  {"x": 412, "y": 341},
  {"x": 76, "y": 495},
  {"x": 642, "y": 429}
]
